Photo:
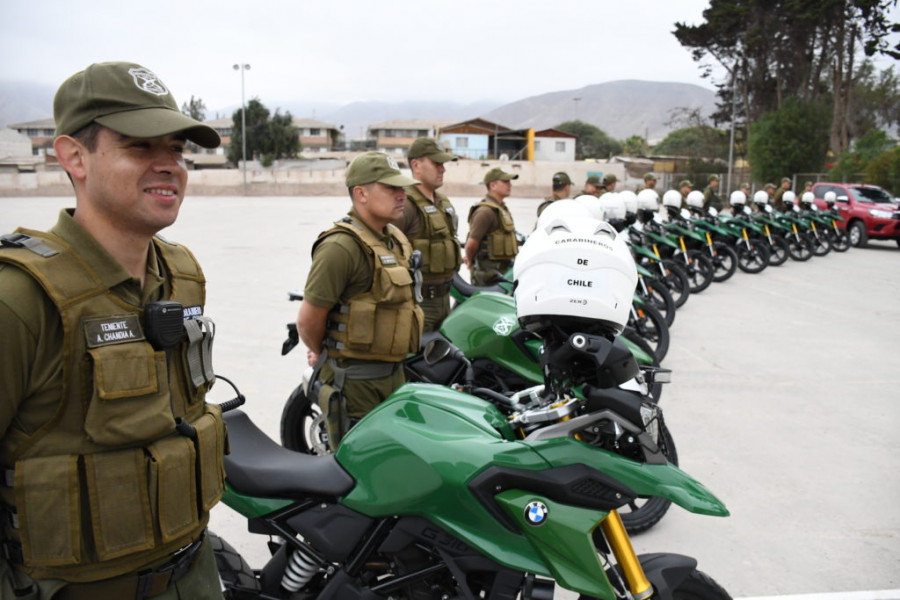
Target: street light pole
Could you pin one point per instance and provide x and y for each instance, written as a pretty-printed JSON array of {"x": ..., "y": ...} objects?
[
  {"x": 243, "y": 67},
  {"x": 576, "y": 101}
]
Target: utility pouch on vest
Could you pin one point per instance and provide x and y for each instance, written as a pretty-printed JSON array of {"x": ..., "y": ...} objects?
[
  {"x": 212, "y": 445},
  {"x": 172, "y": 463},
  {"x": 397, "y": 287},
  {"x": 121, "y": 515},
  {"x": 48, "y": 500},
  {"x": 334, "y": 407},
  {"x": 130, "y": 404},
  {"x": 200, "y": 334}
]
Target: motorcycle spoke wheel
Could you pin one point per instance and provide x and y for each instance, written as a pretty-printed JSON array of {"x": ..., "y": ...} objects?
[
  {"x": 303, "y": 425},
  {"x": 840, "y": 241},
  {"x": 725, "y": 262},
  {"x": 651, "y": 327},
  {"x": 778, "y": 252},
  {"x": 700, "y": 271},
  {"x": 753, "y": 259},
  {"x": 799, "y": 250},
  {"x": 659, "y": 296},
  {"x": 676, "y": 281},
  {"x": 821, "y": 245}
]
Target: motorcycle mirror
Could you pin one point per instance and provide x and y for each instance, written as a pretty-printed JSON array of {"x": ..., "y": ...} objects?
[
  {"x": 713, "y": 212},
  {"x": 685, "y": 214},
  {"x": 747, "y": 210},
  {"x": 768, "y": 208},
  {"x": 436, "y": 350}
]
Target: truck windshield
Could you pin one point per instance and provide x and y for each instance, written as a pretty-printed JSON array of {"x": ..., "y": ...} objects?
[{"x": 867, "y": 194}]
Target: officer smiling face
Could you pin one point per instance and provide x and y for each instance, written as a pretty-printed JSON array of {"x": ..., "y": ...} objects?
[{"x": 133, "y": 184}]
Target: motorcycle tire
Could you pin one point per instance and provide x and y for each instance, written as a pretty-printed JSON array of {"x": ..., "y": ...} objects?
[
  {"x": 840, "y": 241},
  {"x": 237, "y": 576},
  {"x": 643, "y": 513},
  {"x": 659, "y": 296},
  {"x": 821, "y": 245},
  {"x": 799, "y": 249},
  {"x": 676, "y": 281},
  {"x": 725, "y": 262},
  {"x": 696, "y": 585},
  {"x": 651, "y": 327},
  {"x": 778, "y": 252},
  {"x": 700, "y": 271},
  {"x": 752, "y": 259},
  {"x": 303, "y": 425}
]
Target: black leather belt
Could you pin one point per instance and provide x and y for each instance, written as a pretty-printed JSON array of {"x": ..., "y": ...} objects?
[{"x": 429, "y": 292}]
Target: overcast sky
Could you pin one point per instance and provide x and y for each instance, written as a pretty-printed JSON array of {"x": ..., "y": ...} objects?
[{"x": 341, "y": 51}]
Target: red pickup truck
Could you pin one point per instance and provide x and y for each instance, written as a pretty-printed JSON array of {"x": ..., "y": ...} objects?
[{"x": 869, "y": 212}]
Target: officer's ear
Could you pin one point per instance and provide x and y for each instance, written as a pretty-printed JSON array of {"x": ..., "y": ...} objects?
[{"x": 70, "y": 153}]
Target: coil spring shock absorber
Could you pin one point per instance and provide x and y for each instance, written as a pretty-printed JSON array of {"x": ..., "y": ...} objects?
[{"x": 299, "y": 571}]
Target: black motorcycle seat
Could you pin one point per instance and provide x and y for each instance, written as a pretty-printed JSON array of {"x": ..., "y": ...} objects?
[
  {"x": 258, "y": 466},
  {"x": 468, "y": 290}
]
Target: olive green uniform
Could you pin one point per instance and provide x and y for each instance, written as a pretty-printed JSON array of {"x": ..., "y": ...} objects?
[
  {"x": 545, "y": 203},
  {"x": 711, "y": 199},
  {"x": 341, "y": 271},
  {"x": 777, "y": 202},
  {"x": 431, "y": 227},
  {"x": 492, "y": 225},
  {"x": 88, "y": 409}
]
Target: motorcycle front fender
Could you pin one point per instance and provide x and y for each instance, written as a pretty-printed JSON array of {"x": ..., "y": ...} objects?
[
  {"x": 666, "y": 572},
  {"x": 665, "y": 481}
]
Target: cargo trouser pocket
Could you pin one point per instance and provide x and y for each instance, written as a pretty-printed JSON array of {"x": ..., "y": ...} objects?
[
  {"x": 130, "y": 404},
  {"x": 49, "y": 509},
  {"x": 121, "y": 515}
]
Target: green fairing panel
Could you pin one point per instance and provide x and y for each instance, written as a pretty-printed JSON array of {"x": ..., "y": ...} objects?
[
  {"x": 564, "y": 541},
  {"x": 483, "y": 330},
  {"x": 250, "y": 506}
]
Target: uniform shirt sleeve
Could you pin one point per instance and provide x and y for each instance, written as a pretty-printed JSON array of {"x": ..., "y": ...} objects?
[
  {"x": 484, "y": 220},
  {"x": 339, "y": 271},
  {"x": 30, "y": 352}
]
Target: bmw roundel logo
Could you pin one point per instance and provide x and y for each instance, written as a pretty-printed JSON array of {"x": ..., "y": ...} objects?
[{"x": 536, "y": 513}]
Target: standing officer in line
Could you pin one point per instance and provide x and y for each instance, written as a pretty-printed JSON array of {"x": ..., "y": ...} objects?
[
  {"x": 711, "y": 194},
  {"x": 685, "y": 186},
  {"x": 592, "y": 186},
  {"x": 430, "y": 222},
  {"x": 359, "y": 317},
  {"x": 491, "y": 244},
  {"x": 104, "y": 346},
  {"x": 649, "y": 182},
  {"x": 562, "y": 188},
  {"x": 777, "y": 202},
  {"x": 608, "y": 184}
]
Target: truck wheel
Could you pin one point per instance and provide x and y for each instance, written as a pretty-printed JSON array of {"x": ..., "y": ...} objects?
[{"x": 858, "y": 236}]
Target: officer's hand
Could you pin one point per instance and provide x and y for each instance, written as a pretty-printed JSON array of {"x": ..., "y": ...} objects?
[{"x": 312, "y": 357}]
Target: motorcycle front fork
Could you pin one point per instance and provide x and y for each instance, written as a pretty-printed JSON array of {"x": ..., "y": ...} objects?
[{"x": 620, "y": 544}]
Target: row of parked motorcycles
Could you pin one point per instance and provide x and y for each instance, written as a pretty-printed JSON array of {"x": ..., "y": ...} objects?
[{"x": 527, "y": 448}]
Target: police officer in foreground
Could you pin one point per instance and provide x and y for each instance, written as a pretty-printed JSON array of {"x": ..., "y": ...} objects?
[
  {"x": 562, "y": 188},
  {"x": 491, "y": 244},
  {"x": 711, "y": 197},
  {"x": 103, "y": 349},
  {"x": 359, "y": 317},
  {"x": 430, "y": 222}
]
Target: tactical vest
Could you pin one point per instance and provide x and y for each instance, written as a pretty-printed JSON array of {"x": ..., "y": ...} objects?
[
  {"x": 384, "y": 323},
  {"x": 547, "y": 202},
  {"x": 107, "y": 486},
  {"x": 441, "y": 251},
  {"x": 500, "y": 244}
]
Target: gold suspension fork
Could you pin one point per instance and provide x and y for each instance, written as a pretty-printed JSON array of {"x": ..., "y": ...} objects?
[{"x": 620, "y": 544}]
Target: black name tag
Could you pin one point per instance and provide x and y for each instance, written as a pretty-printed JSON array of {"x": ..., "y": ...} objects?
[{"x": 104, "y": 331}]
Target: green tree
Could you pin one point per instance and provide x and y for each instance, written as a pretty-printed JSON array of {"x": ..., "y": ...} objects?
[
  {"x": 635, "y": 146},
  {"x": 774, "y": 50},
  {"x": 884, "y": 170},
  {"x": 269, "y": 138},
  {"x": 592, "y": 141},
  {"x": 195, "y": 108},
  {"x": 793, "y": 139},
  {"x": 852, "y": 162},
  {"x": 697, "y": 142}
]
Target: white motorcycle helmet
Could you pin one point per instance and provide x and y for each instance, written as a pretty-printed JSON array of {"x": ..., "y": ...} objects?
[
  {"x": 593, "y": 204},
  {"x": 789, "y": 197},
  {"x": 576, "y": 273},
  {"x": 563, "y": 208},
  {"x": 830, "y": 198},
  {"x": 614, "y": 207},
  {"x": 631, "y": 202},
  {"x": 671, "y": 198},
  {"x": 761, "y": 197},
  {"x": 694, "y": 198},
  {"x": 648, "y": 200},
  {"x": 807, "y": 197},
  {"x": 627, "y": 196},
  {"x": 738, "y": 197}
]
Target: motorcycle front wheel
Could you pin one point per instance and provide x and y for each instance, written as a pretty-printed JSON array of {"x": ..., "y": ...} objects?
[
  {"x": 651, "y": 326},
  {"x": 753, "y": 258},
  {"x": 799, "y": 249},
  {"x": 697, "y": 585},
  {"x": 821, "y": 245},
  {"x": 725, "y": 262},
  {"x": 700, "y": 271},
  {"x": 778, "y": 252},
  {"x": 303, "y": 425},
  {"x": 657, "y": 294},
  {"x": 840, "y": 241},
  {"x": 237, "y": 576},
  {"x": 676, "y": 281}
]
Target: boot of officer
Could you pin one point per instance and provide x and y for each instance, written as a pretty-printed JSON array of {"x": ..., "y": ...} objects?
[{"x": 104, "y": 350}]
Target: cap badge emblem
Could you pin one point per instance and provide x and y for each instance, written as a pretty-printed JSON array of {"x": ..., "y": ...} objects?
[{"x": 146, "y": 80}]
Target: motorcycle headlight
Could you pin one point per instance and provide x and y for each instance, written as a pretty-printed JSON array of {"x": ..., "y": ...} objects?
[{"x": 881, "y": 214}]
